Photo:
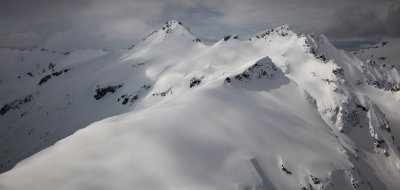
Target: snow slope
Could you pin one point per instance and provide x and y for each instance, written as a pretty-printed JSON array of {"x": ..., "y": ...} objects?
[
  {"x": 277, "y": 111},
  {"x": 46, "y": 96}
]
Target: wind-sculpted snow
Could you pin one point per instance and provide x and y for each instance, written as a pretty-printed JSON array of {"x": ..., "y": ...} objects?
[{"x": 278, "y": 111}]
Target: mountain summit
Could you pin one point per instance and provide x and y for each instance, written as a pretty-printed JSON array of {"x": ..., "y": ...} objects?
[
  {"x": 171, "y": 29},
  {"x": 278, "y": 111}
]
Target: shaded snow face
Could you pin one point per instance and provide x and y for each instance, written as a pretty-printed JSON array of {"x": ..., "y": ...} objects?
[{"x": 277, "y": 111}]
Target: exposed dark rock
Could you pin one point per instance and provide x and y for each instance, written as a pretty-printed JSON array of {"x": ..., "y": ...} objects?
[
  {"x": 310, "y": 187},
  {"x": 371, "y": 63},
  {"x": 44, "y": 79},
  {"x": 57, "y": 73},
  {"x": 327, "y": 81},
  {"x": 315, "y": 179},
  {"x": 48, "y": 77},
  {"x": 286, "y": 170},
  {"x": 262, "y": 68},
  {"x": 355, "y": 184},
  {"x": 146, "y": 86},
  {"x": 395, "y": 88},
  {"x": 322, "y": 57},
  {"x": 266, "y": 33},
  {"x": 125, "y": 101},
  {"x": 160, "y": 94},
  {"x": 15, "y": 104},
  {"x": 134, "y": 98},
  {"x": 51, "y": 66},
  {"x": 226, "y": 38},
  {"x": 361, "y": 107},
  {"x": 338, "y": 72},
  {"x": 379, "y": 143},
  {"x": 385, "y": 84},
  {"x": 101, "y": 92},
  {"x": 195, "y": 81},
  {"x": 312, "y": 50},
  {"x": 5, "y": 109}
]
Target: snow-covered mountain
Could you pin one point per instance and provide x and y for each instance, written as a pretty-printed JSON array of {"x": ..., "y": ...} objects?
[
  {"x": 277, "y": 111},
  {"x": 46, "y": 96},
  {"x": 385, "y": 52}
]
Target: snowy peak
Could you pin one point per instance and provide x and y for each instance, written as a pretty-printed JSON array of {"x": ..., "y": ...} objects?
[
  {"x": 381, "y": 43},
  {"x": 171, "y": 30},
  {"x": 386, "y": 52},
  {"x": 280, "y": 31},
  {"x": 176, "y": 28}
]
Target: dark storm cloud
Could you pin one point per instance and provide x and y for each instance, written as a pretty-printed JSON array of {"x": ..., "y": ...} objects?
[
  {"x": 366, "y": 23},
  {"x": 393, "y": 21},
  {"x": 23, "y": 20},
  {"x": 72, "y": 24}
]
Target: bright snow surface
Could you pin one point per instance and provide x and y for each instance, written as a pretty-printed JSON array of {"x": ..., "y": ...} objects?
[{"x": 278, "y": 111}]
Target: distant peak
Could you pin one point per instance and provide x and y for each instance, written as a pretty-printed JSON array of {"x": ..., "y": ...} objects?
[
  {"x": 173, "y": 25},
  {"x": 176, "y": 28},
  {"x": 282, "y": 30},
  {"x": 172, "y": 29}
]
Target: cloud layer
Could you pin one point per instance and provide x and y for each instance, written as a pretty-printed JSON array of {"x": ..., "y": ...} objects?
[{"x": 70, "y": 24}]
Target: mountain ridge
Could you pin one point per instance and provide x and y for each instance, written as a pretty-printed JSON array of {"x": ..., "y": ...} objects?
[{"x": 273, "y": 92}]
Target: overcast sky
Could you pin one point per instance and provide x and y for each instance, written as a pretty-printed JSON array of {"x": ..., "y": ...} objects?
[{"x": 70, "y": 24}]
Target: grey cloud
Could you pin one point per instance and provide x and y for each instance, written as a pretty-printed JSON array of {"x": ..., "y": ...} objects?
[
  {"x": 367, "y": 23},
  {"x": 393, "y": 21},
  {"x": 43, "y": 18},
  {"x": 69, "y": 24},
  {"x": 22, "y": 39},
  {"x": 76, "y": 24}
]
